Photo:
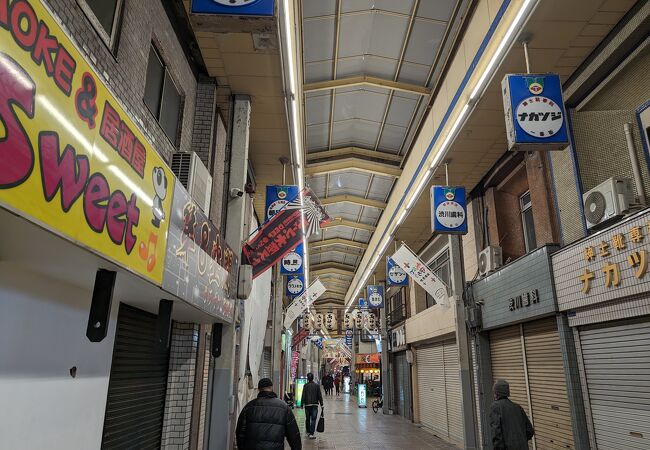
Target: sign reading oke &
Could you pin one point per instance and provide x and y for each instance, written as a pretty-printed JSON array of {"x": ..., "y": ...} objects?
[{"x": 70, "y": 156}]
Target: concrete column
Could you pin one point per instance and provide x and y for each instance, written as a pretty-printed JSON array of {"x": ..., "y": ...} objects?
[
  {"x": 484, "y": 385},
  {"x": 573, "y": 384},
  {"x": 276, "y": 342},
  {"x": 223, "y": 398},
  {"x": 462, "y": 340},
  {"x": 385, "y": 361}
]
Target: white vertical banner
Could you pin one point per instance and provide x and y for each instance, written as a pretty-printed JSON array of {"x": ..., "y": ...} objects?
[
  {"x": 304, "y": 301},
  {"x": 421, "y": 274}
]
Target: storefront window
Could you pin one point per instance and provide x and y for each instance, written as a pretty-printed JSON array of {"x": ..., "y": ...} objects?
[
  {"x": 527, "y": 221},
  {"x": 104, "y": 15},
  {"x": 439, "y": 266},
  {"x": 161, "y": 95}
]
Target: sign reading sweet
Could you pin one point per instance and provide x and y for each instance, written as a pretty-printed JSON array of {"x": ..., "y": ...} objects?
[{"x": 70, "y": 157}]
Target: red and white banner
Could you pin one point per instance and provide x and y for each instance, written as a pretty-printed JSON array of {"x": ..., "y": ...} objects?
[
  {"x": 301, "y": 303},
  {"x": 421, "y": 274},
  {"x": 284, "y": 231}
]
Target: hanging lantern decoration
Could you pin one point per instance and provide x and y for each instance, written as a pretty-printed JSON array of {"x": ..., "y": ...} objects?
[
  {"x": 330, "y": 321},
  {"x": 306, "y": 323},
  {"x": 371, "y": 321},
  {"x": 358, "y": 320},
  {"x": 320, "y": 321},
  {"x": 348, "y": 321}
]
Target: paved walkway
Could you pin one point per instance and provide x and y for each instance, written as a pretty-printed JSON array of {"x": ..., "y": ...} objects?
[{"x": 350, "y": 427}]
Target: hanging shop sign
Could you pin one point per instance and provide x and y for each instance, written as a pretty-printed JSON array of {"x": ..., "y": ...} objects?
[
  {"x": 348, "y": 338},
  {"x": 448, "y": 210},
  {"x": 421, "y": 274},
  {"x": 295, "y": 285},
  {"x": 518, "y": 292},
  {"x": 362, "y": 397},
  {"x": 295, "y": 359},
  {"x": 234, "y": 7},
  {"x": 71, "y": 158},
  {"x": 609, "y": 265},
  {"x": 368, "y": 358},
  {"x": 302, "y": 302},
  {"x": 299, "y": 337},
  {"x": 363, "y": 304},
  {"x": 277, "y": 197},
  {"x": 398, "y": 338},
  {"x": 293, "y": 262},
  {"x": 200, "y": 267},
  {"x": 331, "y": 343},
  {"x": 534, "y": 112},
  {"x": 376, "y": 296},
  {"x": 284, "y": 231},
  {"x": 395, "y": 275},
  {"x": 317, "y": 341}
]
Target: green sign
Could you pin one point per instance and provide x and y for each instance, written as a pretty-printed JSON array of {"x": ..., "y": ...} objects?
[{"x": 300, "y": 384}]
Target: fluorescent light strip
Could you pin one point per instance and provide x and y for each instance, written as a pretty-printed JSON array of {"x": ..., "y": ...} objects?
[
  {"x": 416, "y": 193},
  {"x": 505, "y": 41},
  {"x": 401, "y": 218},
  {"x": 443, "y": 148}
]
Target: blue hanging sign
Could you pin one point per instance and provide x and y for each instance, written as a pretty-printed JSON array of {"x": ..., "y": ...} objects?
[
  {"x": 234, "y": 7},
  {"x": 295, "y": 285},
  {"x": 293, "y": 262},
  {"x": 395, "y": 275},
  {"x": 362, "y": 303},
  {"x": 448, "y": 210},
  {"x": 348, "y": 338},
  {"x": 375, "y": 296},
  {"x": 534, "y": 112},
  {"x": 277, "y": 197}
]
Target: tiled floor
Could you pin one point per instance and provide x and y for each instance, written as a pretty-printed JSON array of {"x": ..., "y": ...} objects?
[{"x": 350, "y": 427}]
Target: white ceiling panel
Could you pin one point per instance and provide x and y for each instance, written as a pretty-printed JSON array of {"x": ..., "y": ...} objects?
[
  {"x": 314, "y": 259},
  {"x": 380, "y": 187},
  {"x": 319, "y": 39},
  {"x": 317, "y": 184},
  {"x": 318, "y": 71},
  {"x": 392, "y": 137},
  {"x": 317, "y": 136},
  {"x": 401, "y": 6},
  {"x": 350, "y": 183},
  {"x": 367, "y": 65},
  {"x": 362, "y": 236},
  {"x": 425, "y": 41},
  {"x": 413, "y": 73},
  {"x": 339, "y": 232},
  {"x": 317, "y": 108},
  {"x": 360, "y": 104},
  {"x": 313, "y": 8},
  {"x": 348, "y": 211},
  {"x": 400, "y": 112},
  {"x": 355, "y": 132},
  {"x": 351, "y": 260},
  {"x": 332, "y": 257},
  {"x": 370, "y": 215},
  {"x": 440, "y": 10}
]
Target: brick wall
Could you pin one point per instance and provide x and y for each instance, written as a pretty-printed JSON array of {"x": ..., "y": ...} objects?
[
  {"x": 124, "y": 69},
  {"x": 202, "y": 139},
  {"x": 180, "y": 386}
]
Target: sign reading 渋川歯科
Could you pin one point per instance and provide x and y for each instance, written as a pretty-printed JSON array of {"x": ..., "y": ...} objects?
[
  {"x": 534, "y": 112},
  {"x": 448, "y": 210},
  {"x": 71, "y": 158}
]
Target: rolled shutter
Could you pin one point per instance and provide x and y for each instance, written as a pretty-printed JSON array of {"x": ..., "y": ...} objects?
[
  {"x": 508, "y": 362},
  {"x": 617, "y": 368},
  {"x": 431, "y": 389},
  {"x": 452, "y": 388},
  {"x": 137, "y": 386},
  {"x": 547, "y": 384}
]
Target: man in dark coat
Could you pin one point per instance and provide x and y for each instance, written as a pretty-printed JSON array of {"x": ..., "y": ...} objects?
[
  {"x": 266, "y": 421},
  {"x": 311, "y": 398},
  {"x": 511, "y": 429}
]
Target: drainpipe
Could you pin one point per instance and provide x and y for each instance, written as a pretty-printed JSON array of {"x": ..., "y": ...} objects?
[{"x": 638, "y": 181}]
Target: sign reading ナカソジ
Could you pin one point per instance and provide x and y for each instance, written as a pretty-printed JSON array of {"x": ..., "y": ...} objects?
[
  {"x": 234, "y": 7},
  {"x": 200, "y": 267},
  {"x": 448, "y": 210},
  {"x": 71, "y": 159},
  {"x": 609, "y": 265},
  {"x": 534, "y": 112}
]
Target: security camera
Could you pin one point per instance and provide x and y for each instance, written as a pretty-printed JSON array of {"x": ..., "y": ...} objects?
[{"x": 236, "y": 192}]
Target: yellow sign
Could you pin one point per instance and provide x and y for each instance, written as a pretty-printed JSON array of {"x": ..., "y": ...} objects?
[{"x": 70, "y": 157}]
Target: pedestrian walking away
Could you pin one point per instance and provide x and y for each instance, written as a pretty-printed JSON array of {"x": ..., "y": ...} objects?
[
  {"x": 266, "y": 421},
  {"x": 311, "y": 398},
  {"x": 337, "y": 384},
  {"x": 511, "y": 429}
]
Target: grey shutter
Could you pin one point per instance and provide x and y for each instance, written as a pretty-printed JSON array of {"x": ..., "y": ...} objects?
[
  {"x": 452, "y": 390},
  {"x": 431, "y": 389},
  {"x": 402, "y": 385},
  {"x": 617, "y": 369},
  {"x": 137, "y": 385}
]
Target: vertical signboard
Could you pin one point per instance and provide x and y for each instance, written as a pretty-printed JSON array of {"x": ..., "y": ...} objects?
[
  {"x": 448, "y": 210},
  {"x": 395, "y": 275},
  {"x": 300, "y": 384},
  {"x": 534, "y": 112},
  {"x": 362, "y": 395},
  {"x": 295, "y": 285},
  {"x": 376, "y": 296},
  {"x": 293, "y": 262},
  {"x": 277, "y": 197},
  {"x": 260, "y": 8}
]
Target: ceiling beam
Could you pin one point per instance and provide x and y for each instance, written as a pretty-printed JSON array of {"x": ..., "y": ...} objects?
[
  {"x": 347, "y": 164},
  {"x": 341, "y": 222},
  {"x": 353, "y": 199},
  {"x": 332, "y": 265},
  {"x": 352, "y": 151},
  {"x": 338, "y": 249},
  {"x": 337, "y": 241},
  {"x": 366, "y": 80},
  {"x": 323, "y": 272}
]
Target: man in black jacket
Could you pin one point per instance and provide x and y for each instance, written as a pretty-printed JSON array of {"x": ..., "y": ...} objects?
[
  {"x": 311, "y": 398},
  {"x": 511, "y": 429},
  {"x": 266, "y": 421}
]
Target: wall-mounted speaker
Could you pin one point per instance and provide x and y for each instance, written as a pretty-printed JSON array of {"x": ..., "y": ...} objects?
[
  {"x": 217, "y": 329},
  {"x": 100, "y": 307}
]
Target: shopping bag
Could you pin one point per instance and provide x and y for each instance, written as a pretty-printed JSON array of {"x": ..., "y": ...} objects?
[{"x": 321, "y": 422}]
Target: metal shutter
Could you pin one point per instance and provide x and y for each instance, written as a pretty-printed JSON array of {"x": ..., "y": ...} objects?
[
  {"x": 547, "y": 384},
  {"x": 477, "y": 392},
  {"x": 617, "y": 369},
  {"x": 402, "y": 385},
  {"x": 266, "y": 363},
  {"x": 431, "y": 389},
  {"x": 508, "y": 362},
  {"x": 137, "y": 386},
  {"x": 452, "y": 389}
]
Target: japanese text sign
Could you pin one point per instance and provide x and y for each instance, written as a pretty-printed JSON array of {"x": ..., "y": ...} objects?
[
  {"x": 71, "y": 158},
  {"x": 295, "y": 285},
  {"x": 608, "y": 265},
  {"x": 448, "y": 210},
  {"x": 421, "y": 274},
  {"x": 302, "y": 302},
  {"x": 293, "y": 263},
  {"x": 534, "y": 112},
  {"x": 200, "y": 267},
  {"x": 234, "y": 7},
  {"x": 277, "y": 197},
  {"x": 375, "y": 296},
  {"x": 395, "y": 275}
]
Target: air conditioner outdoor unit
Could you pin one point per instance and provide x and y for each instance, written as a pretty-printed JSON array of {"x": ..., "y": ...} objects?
[
  {"x": 489, "y": 260},
  {"x": 193, "y": 174},
  {"x": 607, "y": 201}
]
